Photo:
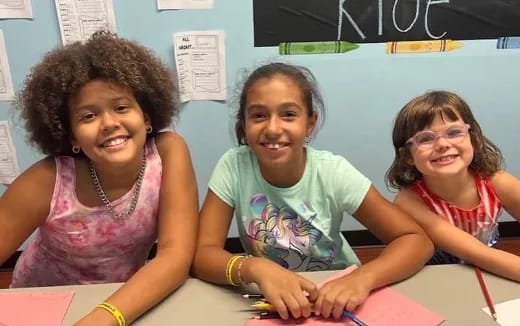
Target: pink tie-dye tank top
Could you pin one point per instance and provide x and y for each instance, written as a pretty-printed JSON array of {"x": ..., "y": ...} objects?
[{"x": 85, "y": 245}]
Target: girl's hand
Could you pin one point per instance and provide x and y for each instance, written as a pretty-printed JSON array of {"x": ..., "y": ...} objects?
[
  {"x": 344, "y": 293},
  {"x": 284, "y": 289}
]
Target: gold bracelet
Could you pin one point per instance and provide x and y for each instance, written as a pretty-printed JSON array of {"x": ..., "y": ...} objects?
[
  {"x": 229, "y": 269},
  {"x": 114, "y": 312}
]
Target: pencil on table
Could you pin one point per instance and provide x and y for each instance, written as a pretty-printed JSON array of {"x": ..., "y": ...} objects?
[
  {"x": 266, "y": 315},
  {"x": 269, "y": 310},
  {"x": 485, "y": 292},
  {"x": 353, "y": 318},
  {"x": 262, "y": 305},
  {"x": 253, "y": 295}
]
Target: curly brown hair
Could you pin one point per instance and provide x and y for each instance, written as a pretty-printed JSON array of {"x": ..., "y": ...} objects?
[
  {"x": 43, "y": 101},
  {"x": 417, "y": 115}
]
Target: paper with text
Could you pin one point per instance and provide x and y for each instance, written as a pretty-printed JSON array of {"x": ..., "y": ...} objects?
[
  {"x": 10, "y": 9},
  {"x": 184, "y": 4},
  {"x": 6, "y": 82},
  {"x": 79, "y": 19},
  {"x": 508, "y": 312},
  {"x": 200, "y": 58},
  {"x": 9, "y": 169},
  {"x": 34, "y": 308},
  {"x": 383, "y": 307}
]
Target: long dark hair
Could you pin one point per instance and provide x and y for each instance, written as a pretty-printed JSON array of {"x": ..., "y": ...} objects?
[{"x": 302, "y": 76}]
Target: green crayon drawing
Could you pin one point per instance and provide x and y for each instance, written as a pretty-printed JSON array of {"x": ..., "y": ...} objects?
[{"x": 316, "y": 47}]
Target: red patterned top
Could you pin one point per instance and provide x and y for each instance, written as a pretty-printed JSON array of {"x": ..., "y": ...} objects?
[{"x": 480, "y": 221}]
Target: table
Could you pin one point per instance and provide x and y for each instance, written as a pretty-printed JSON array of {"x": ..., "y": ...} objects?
[{"x": 450, "y": 290}]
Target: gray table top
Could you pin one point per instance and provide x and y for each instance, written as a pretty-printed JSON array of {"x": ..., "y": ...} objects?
[{"x": 450, "y": 290}]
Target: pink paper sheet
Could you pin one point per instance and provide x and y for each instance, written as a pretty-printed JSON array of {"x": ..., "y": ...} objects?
[
  {"x": 34, "y": 308},
  {"x": 384, "y": 307}
]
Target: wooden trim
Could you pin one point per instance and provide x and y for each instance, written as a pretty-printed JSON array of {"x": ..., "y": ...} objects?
[{"x": 357, "y": 238}]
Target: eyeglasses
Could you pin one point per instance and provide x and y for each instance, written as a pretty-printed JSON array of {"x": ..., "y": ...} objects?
[{"x": 427, "y": 138}]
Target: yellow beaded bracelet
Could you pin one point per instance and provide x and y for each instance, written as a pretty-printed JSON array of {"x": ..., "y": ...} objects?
[
  {"x": 239, "y": 269},
  {"x": 114, "y": 312}
]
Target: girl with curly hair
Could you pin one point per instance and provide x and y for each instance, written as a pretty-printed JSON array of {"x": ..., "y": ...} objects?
[
  {"x": 112, "y": 183},
  {"x": 450, "y": 178},
  {"x": 289, "y": 200}
]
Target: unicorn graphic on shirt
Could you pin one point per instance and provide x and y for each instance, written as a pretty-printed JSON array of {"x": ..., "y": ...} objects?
[{"x": 285, "y": 237}]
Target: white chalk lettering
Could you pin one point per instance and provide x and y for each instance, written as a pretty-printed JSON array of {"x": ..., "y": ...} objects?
[
  {"x": 414, "y": 19},
  {"x": 426, "y": 27},
  {"x": 380, "y": 17},
  {"x": 342, "y": 12}
]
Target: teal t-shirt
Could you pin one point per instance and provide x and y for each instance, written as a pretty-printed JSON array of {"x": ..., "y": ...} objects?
[{"x": 297, "y": 227}]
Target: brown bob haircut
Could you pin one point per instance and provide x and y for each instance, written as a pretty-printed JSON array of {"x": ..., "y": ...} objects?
[{"x": 417, "y": 115}]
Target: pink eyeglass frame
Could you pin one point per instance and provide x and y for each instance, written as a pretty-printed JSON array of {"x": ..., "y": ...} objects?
[{"x": 411, "y": 140}]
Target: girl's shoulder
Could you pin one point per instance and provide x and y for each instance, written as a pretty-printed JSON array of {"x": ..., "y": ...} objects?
[
  {"x": 500, "y": 176},
  {"x": 43, "y": 171},
  {"x": 170, "y": 143},
  {"x": 504, "y": 181},
  {"x": 326, "y": 160},
  {"x": 31, "y": 192},
  {"x": 239, "y": 154},
  {"x": 322, "y": 155},
  {"x": 406, "y": 193}
]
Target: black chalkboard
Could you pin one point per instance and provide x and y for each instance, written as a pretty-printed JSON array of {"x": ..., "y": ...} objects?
[{"x": 368, "y": 21}]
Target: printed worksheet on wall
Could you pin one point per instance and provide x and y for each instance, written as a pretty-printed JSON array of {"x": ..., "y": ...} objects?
[
  {"x": 79, "y": 19},
  {"x": 6, "y": 82},
  {"x": 184, "y": 4},
  {"x": 200, "y": 58},
  {"x": 9, "y": 168},
  {"x": 10, "y": 9}
]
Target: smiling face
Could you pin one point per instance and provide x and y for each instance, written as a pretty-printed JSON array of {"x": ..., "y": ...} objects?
[
  {"x": 276, "y": 123},
  {"x": 444, "y": 158},
  {"x": 108, "y": 124}
]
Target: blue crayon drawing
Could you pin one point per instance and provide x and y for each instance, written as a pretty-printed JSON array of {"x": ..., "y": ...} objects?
[{"x": 508, "y": 42}]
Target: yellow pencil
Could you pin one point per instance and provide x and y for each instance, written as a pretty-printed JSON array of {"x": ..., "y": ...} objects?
[
  {"x": 422, "y": 46},
  {"x": 262, "y": 305}
]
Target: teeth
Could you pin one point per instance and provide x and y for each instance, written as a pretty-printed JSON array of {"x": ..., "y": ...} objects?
[
  {"x": 445, "y": 158},
  {"x": 115, "y": 141},
  {"x": 273, "y": 146}
]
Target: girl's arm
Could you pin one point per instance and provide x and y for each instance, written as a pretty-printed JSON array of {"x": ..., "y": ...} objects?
[
  {"x": 282, "y": 287},
  {"x": 25, "y": 205},
  {"x": 507, "y": 187},
  {"x": 178, "y": 219},
  {"x": 457, "y": 242},
  {"x": 407, "y": 249}
]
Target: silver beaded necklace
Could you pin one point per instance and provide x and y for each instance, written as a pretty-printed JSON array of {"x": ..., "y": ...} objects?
[{"x": 104, "y": 198}]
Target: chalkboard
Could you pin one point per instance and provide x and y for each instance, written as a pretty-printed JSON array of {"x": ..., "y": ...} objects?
[{"x": 369, "y": 21}]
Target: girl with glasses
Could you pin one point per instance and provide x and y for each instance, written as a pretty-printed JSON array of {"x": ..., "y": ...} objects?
[{"x": 450, "y": 178}]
